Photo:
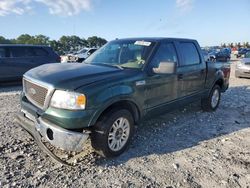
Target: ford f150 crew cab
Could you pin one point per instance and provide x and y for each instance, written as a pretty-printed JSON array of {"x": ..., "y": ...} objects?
[{"x": 120, "y": 84}]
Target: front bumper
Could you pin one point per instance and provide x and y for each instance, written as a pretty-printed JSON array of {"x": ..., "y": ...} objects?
[{"x": 56, "y": 136}]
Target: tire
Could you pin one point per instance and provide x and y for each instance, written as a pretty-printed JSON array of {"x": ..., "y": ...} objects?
[
  {"x": 212, "y": 102},
  {"x": 112, "y": 127}
]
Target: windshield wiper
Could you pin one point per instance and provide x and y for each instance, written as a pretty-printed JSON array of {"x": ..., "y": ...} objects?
[
  {"x": 106, "y": 64},
  {"x": 111, "y": 65},
  {"x": 118, "y": 66}
]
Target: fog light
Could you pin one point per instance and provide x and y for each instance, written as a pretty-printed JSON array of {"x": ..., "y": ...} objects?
[{"x": 50, "y": 134}]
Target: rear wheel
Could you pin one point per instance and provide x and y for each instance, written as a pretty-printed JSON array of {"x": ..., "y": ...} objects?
[
  {"x": 212, "y": 102},
  {"x": 113, "y": 133}
]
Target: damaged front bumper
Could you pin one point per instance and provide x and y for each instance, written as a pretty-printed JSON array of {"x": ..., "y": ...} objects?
[{"x": 56, "y": 136}]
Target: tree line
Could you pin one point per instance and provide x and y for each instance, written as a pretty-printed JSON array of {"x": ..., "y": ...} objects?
[
  {"x": 65, "y": 44},
  {"x": 236, "y": 45}
]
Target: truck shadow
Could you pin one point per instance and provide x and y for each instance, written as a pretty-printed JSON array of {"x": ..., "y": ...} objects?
[{"x": 188, "y": 127}]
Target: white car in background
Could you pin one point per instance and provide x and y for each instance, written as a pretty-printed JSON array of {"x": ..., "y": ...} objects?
[
  {"x": 243, "y": 67},
  {"x": 84, "y": 53},
  {"x": 79, "y": 56}
]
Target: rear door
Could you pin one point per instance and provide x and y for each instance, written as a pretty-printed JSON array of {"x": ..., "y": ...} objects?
[
  {"x": 41, "y": 56},
  {"x": 5, "y": 68},
  {"x": 21, "y": 60},
  {"x": 191, "y": 72}
]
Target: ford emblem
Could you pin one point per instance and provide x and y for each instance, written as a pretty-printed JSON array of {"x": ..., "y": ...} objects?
[{"x": 32, "y": 91}]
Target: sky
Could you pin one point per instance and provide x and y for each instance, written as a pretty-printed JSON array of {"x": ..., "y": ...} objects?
[{"x": 211, "y": 22}]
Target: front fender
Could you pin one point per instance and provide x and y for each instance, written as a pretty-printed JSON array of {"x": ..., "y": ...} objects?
[{"x": 119, "y": 93}]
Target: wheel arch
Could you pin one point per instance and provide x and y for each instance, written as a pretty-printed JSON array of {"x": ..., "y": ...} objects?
[
  {"x": 131, "y": 106},
  {"x": 219, "y": 82}
]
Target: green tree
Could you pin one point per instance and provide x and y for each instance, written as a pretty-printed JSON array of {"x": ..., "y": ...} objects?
[
  {"x": 71, "y": 43},
  {"x": 64, "y": 45},
  {"x": 25, "y": 39},
  {"x": 239, "y": 45},
  {"x": 56, "y": 46},
  {"x": 95, "y": 41},
  {"x": 41, "y": 39},
  {"x": 4, "y": 40},
  {"x": 247, "y": 45},
  {"x": 224, "y": 45}
]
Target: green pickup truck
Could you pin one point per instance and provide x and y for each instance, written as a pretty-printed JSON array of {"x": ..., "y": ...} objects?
[{"x": 123, "y": 82}]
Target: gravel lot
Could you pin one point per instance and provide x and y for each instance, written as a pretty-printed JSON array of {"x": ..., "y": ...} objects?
[{"x": 184, "y": 148}]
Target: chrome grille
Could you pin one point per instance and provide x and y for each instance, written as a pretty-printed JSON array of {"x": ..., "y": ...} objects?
[{"x": 35, "y": 93}]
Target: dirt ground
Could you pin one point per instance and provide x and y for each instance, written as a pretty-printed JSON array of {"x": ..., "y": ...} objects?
[{"x": 183, "y": 148}]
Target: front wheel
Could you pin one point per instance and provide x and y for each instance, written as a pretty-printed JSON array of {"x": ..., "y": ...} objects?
[
  {"x": 112, "y": 134},
  {"x": 212, "y": 102}
]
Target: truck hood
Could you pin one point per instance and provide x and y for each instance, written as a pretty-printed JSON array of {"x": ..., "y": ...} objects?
[{"x": 71, "y": 75}]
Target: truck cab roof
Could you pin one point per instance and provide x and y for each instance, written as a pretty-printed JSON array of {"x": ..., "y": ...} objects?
[{"x": 157, "y": 39}]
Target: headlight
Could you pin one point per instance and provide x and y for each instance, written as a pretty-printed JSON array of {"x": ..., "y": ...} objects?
[{"x": 68, "y": 100}]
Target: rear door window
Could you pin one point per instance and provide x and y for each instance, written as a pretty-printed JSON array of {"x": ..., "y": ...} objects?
[
  {"x": 190, "y": 55},
  {"x": 2, "y": 53},
  {"x": 40, "y": 52},
  {"x": 18, "y": 52}
]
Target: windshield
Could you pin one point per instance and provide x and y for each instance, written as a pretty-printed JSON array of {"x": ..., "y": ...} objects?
[{"x": 123, "y": 53}]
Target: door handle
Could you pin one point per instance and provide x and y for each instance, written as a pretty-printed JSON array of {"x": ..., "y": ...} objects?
[{"x": 180, "y": 76}]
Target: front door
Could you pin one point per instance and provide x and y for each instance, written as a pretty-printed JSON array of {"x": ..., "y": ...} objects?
[{"x": 161, "y": 88}]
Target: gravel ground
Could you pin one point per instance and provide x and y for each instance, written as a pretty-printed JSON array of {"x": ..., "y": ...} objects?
[{"x": 183, "y": 148}]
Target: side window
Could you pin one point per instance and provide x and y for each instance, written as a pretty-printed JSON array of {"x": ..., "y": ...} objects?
[
  {"x": 2, "y": 53},
  {"x": 17, "y": 52},
  {"x": 92, "y": 51},
  {"x": 165, "y": 53},
  {"x": 21, "y": 52},
  {"x": 40, "y": 52},
  {"x": 189, "y": 53},
  {"x": 29, "y": 52}
]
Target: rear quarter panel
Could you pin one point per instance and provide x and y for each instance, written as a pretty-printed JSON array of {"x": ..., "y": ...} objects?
[{"x": 216, "y": 71}]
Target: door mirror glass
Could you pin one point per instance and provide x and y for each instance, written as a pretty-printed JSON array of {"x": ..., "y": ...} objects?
[{"x": 165, "y": 68}]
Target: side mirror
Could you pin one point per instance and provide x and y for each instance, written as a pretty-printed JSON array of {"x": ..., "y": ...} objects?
[
  {"x": 165, "y": 68},
  {"x": 88, "y": 53}
]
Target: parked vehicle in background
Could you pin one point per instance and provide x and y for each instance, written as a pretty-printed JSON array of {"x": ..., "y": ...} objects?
[
  {"x": 79, "y": 56},
  {"x": 243, "y": 67},
  {"x": 222, "y": 55},
  {"x": 122, "y": 83},
  {"x": 205, "y": 54},
  {"x": 242, "y": 52},
  {"x": 15, "y": 60},
  {"x": 247, "y": 55},
  {"x": 84, "y": 53},
  {"x": 229, "y": 50}
]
